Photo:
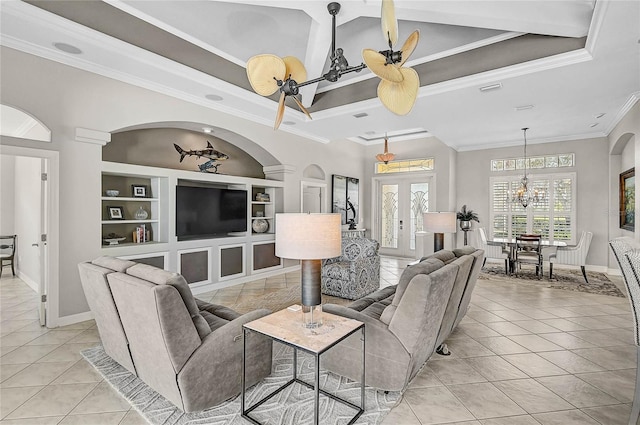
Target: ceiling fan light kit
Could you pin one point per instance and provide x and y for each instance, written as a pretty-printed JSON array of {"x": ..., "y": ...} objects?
[{"x": 398, "y": 87}]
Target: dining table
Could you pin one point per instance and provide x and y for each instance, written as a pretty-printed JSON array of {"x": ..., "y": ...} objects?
[{"x": 511, "y": 243}]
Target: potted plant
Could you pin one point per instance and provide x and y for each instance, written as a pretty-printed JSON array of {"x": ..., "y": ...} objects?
[{"x": 466, "y": 216}]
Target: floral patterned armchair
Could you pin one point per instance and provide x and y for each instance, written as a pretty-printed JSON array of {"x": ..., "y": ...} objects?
[{"x": 355, "y": 273}]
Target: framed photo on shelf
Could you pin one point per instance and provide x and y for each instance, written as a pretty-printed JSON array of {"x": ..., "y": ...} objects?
[
  {"x": 116, "y": 213},
  {"x": 138, "y": 191},
  {"x": 628, "y": 199}
]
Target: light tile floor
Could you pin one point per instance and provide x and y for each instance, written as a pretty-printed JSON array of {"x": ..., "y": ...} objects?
[{"x": 524, "y": 354}]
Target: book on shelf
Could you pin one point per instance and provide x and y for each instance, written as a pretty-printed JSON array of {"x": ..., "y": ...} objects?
[{"x": 141, "y": 234}]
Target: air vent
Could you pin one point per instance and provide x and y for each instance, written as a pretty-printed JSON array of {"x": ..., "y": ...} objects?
[
  {"x": 361, "y": 115},
  {"x": 595, "y": 124},
  {"x": 600, "y": 115},
  {"x": 214, "y": 97},
  {"x": 523, "y": 107},
  {"x": 491, "y": 87}
]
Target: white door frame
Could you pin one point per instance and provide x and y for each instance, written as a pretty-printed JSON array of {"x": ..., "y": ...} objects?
[
  {"x": 51, "y": 214},
  {"x": 381, "y": 179},
  {"x": 323, "y": 193}
]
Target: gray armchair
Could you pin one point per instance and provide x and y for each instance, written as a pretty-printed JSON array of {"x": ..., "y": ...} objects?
[
  {"x": 187, "y": 350},
  {"x": 355, "y": 273}
]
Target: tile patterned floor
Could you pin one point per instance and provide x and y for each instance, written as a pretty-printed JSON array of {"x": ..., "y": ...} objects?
[{"x": 524, "y": 354}]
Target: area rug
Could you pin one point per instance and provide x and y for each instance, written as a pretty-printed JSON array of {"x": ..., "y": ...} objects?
[
  {"x": 280, "y": 299},
  {"x": 293, "y": 406},
  {"x": 570, "y": 280}
]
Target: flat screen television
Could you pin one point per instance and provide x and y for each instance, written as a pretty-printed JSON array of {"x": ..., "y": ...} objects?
[{"x": 209, "y": 212}]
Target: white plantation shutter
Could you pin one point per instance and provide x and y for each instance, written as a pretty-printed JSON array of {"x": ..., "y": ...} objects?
[{"x": 554, "y": 218}]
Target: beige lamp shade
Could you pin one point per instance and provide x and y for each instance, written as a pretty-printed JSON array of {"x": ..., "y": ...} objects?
[
  {"x": 308, "y": 236},
  {"x": 440, "y": 222}
]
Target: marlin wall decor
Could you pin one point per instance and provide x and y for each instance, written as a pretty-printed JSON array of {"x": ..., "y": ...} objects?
[{"x": 213, "y": 156}]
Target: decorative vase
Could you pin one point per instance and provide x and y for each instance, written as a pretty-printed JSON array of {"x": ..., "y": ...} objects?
[
  {"x": 260, "y": 225},
  {"x": 141, "y": 214},
  {"x": 465, "y": 225}
]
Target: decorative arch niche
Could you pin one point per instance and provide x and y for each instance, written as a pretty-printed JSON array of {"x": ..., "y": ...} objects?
[{"x": 153, "y": 145}]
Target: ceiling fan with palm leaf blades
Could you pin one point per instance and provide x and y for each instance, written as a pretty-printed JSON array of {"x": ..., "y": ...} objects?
[{"x": 269, "y": 73}]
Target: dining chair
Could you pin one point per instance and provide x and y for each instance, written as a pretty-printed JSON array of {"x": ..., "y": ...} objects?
[
  {"x": 529, "y": 251},
  {"x": 499, "y": 252},
  {"x": 573, "y": 255},
  {"x": 7, "y": 252},
  {"x": 627, "y": 253}
]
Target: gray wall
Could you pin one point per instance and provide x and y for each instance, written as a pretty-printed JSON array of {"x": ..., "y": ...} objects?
[{"x": 591, "y": 159}]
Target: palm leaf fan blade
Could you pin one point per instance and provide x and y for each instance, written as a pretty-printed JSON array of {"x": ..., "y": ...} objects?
[
  {"x": 302, "y": 108},
  {"x": 389, "y": 22},
  {"x": 409, "y": 46},
  {"x": 280, "y": 112},
  {"x": 377, "y": 63},
  {"x": 399, "y": 98},
  {"x": 295, "y": 69},
  {"x": 263, "y": 71}
]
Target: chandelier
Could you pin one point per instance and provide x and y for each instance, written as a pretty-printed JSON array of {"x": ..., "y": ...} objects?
[
  {"x": 386, "y": 156},
  {"x": 526, "y": 195}
]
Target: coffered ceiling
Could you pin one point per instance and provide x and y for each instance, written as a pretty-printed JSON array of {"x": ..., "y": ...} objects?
[{"x": 556, "y": 66}]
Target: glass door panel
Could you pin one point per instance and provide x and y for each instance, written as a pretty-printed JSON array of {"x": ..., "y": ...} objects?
[
  {"x": 389, "y": 216},
  {"x": 401, "y": 205}
]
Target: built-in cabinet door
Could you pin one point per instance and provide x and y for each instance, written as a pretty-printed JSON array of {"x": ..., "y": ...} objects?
[{"x": 401, "y": 204}]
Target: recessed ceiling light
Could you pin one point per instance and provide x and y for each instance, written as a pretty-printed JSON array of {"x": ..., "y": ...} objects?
[
  {"x": 523, "y": 107},
  {"x": 361, "y": 115},
  {"x": 594, "y": 124},
  {"x": 67, "y": 48},
  {"x": 491, "y": 87},
  {"x": 600, "y": 115},
  {"x": 207, "y": 129},
  {"x": 214, "y": 97},
  {"x": 288, "y": 122}
]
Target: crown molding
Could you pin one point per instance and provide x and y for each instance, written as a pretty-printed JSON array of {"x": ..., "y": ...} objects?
[
  {"x": 624, "y": 110},
  {"x": 512, "y": 143}
]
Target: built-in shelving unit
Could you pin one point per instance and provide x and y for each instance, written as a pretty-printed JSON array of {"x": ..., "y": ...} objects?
[{"x": 206, "y": 263}]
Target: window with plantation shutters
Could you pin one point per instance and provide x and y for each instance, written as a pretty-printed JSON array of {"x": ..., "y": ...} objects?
[{"x": 553, "y": 218}]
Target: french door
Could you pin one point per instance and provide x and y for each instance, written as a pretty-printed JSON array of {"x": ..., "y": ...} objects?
[{"x": 400, "y": 204}]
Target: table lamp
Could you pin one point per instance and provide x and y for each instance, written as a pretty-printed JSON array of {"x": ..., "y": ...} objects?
[
  {"x": 439, "y": 223},
  {"x": 309, "y": 238}
]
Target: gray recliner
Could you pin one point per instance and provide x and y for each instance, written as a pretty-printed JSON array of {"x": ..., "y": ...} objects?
[
  {"x": 187, "y": 350},
  {"x": 405, "y": 323}
]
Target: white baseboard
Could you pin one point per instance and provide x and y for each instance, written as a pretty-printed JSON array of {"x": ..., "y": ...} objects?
[
  {"x": 30, "y": 282},
  {"x": 74, "y": 318}
]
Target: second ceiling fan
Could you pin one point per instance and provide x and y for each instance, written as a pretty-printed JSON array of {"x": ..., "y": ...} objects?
[{"x": 398, "y": 87}]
